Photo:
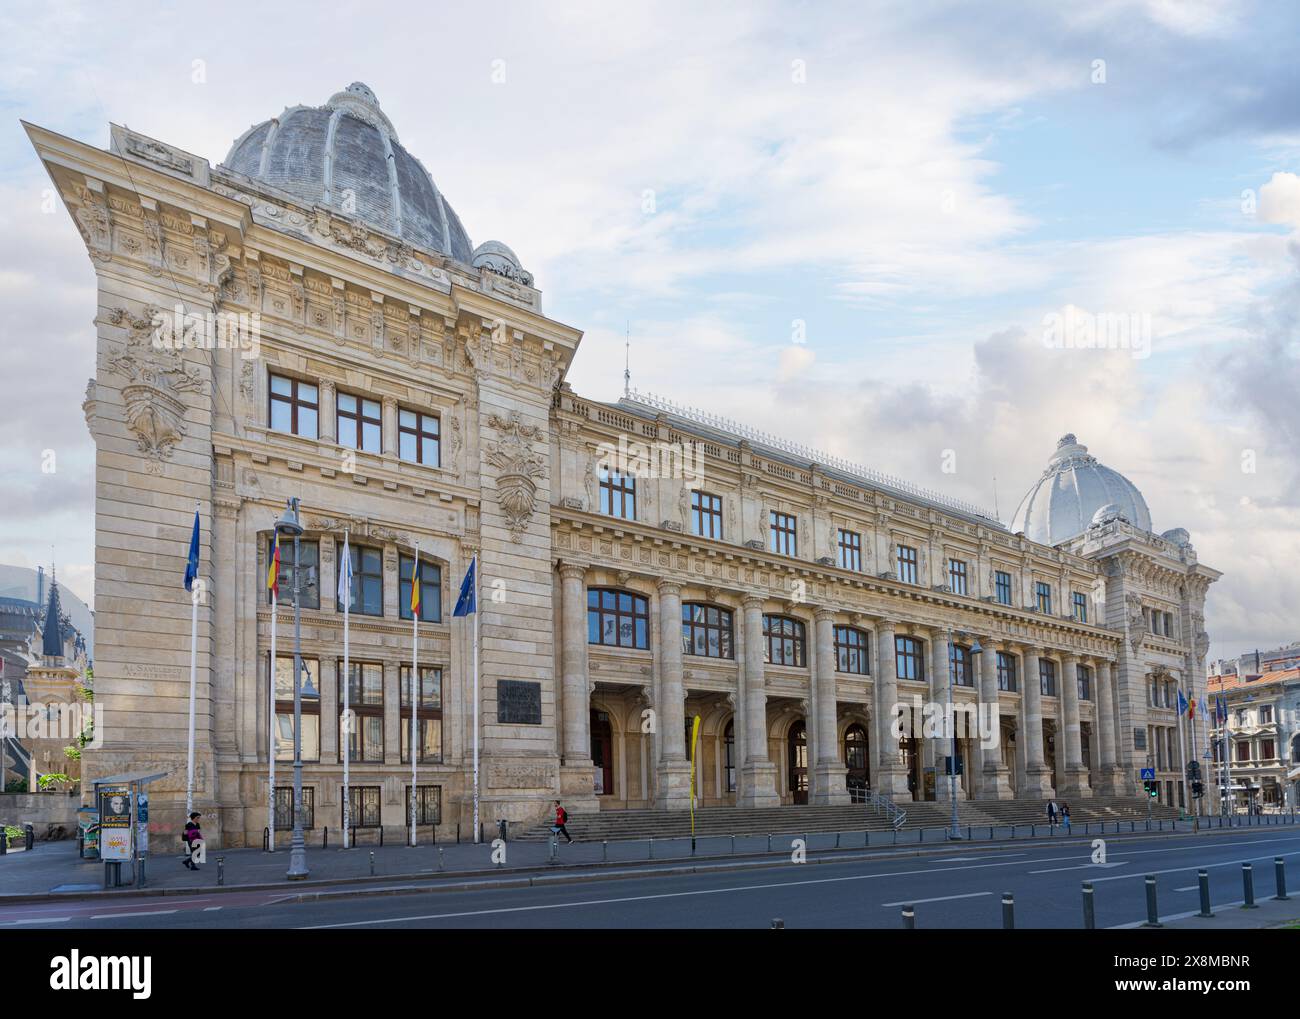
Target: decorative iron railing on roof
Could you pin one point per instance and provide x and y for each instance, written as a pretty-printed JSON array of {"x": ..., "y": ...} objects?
[{"x": 874, "y": 477}]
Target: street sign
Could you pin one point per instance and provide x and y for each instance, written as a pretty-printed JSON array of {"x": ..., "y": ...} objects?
[{"x": 1148, "y": 773}]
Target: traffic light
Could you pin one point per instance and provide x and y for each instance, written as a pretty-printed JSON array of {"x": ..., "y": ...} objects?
[
  {"x": 1149, "y": 787},
  {"x": 1198, "y": 789},
  {"x": 1193, "y": 771}
]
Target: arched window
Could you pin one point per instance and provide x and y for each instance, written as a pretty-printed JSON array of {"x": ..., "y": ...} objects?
[
  {"x": 855, "y": 748},
  {"x": 617, "y": 618},
  {"x": 783, "y": 641},
  {"x": 909, "y": 659},
  {"x": 851, "y": 651},
  {"x": 706, "y": 631}
]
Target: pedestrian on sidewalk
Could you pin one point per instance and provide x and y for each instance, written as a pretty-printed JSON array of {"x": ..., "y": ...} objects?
[
  {"x": 191, "y": 835},
  {"x": 558, "y": 828},
  {"x": 1051, "y": 812},
  {"x": 1065, "y": 817}
]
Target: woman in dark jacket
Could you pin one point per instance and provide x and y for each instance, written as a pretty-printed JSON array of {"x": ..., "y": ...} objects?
[{"x": 191, "y": 835}]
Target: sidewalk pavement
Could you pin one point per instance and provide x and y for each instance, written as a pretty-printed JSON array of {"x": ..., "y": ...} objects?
[{"x": 1233, "y": 917}]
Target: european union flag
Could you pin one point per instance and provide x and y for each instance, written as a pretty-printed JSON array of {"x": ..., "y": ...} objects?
[
  {"x": 467, "y": 602},
  {"x": 192, "y": 564}
]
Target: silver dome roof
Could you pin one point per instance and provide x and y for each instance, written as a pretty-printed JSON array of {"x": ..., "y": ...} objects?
[
  {"x": 1073, "y": 490},
  {"x": 345, "y": 156}
]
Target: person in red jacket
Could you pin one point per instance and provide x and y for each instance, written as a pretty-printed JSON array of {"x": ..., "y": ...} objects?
[{"x": 561, "y": 816}]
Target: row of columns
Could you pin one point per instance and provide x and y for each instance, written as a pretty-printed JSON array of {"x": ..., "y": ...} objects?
[{"x": 757, "y": 773}]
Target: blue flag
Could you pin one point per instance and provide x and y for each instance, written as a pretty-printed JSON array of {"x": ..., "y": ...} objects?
[
  {"x": 192, "y": 563},
  {"x": 467, "y": 602},
  {"x": 1182, "y": 703}
]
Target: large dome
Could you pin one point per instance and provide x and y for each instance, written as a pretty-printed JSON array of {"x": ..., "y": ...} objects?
[
  {"x": 1072, "y": 491},
  {"x": 345, "y": 156}
]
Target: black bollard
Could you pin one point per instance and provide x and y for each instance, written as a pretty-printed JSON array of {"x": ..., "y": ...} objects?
[
  {"x": 372, "y": 863},
  {"x": 1153, "y": 914},
  {"x": 1203, "y": 880},
  {"x": 221, "y": 870},
  {"x": 1248, "y": 886},
  {"x": 1089, "y": 912},
  {"x": 909, "y": 918},
  {"x": 30, "y": 836},
  {"x": 1279, "y": 869},
  {"x": 1008, "y": 911},
  {"x": 778, "y": 925}
]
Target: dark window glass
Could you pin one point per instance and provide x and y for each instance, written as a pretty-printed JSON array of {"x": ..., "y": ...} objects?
[
  {"x": 308, "y": 583},
  {"x": 1085, "y": 682},
  {"x": 367, "y": 581},
  {"x": 1002, "y": 587},
  {"x": 851, "y": 651},
  {"x": 430, "y": 589},
  {"x": 850, "y": 548},
  {"x": 617, "y": 494},
  {"x": 963, "y": 665},
  {"x": 706, "y": 515},
  {"x": 617, "y": 618},
  {"x": 1006, "y": 672},
  {"x": 909, "y": 658},
  {"x": 1043, "y": 595},
  {"x": 360, "y": 423},
  {"x": 1080, "y": 606},
  {"x": 294, "y": 407},
  {"x": 782, "y": 537},
  {"x": 284, "y": 807},
  {"x": 906, "y": 560},
  {"x": 957, "y": 576},
  {"x": 365, "y": 731},
  {"x": 284, "y": 709},
  {"x": 363, "y": 806},
  {"x": 706, "y": 631},
  {"x": 418, "y": 437},
  {"x": 1047, "y": 677},
  {"x": 428, "y": 720},
  {"x": 428, "y": 804},
  {"x": 784, "y": 641}
]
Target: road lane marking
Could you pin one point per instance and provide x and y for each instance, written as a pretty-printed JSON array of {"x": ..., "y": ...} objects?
[
  {"x": 116, "y": 916},
  {"x": 210, "y": 909},
  {"x": 1080, "y": 866},
  {"x": 38, "y": 919},
  {"x": 937, "y": 898}
]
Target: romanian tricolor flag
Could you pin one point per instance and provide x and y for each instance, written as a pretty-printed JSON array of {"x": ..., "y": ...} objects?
[
  {"x": 273, "y": 572},
  {"x": 415, "y": 586}
]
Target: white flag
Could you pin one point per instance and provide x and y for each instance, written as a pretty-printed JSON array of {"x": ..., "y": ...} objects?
[{"x": 345, "y": 575}]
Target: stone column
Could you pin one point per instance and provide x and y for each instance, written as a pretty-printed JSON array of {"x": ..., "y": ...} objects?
[
  {"x": 758, "y": 787},
  {"x": 891, "y": 781},
  {"x": 829, "y": 771},
  {"x": 935, "y": 748},
  {"x": 576, "y": 738},
  {"x": 389, "y": 426},
  {"x": 1105, "y": 715},
  {"x": 1076, "y": 776},
  {"x": 994, "y": 782},
  {"x": 327, "y": 412},
  {"x": 673, "y": 779},
  {"x": 1038, "y": 780}
]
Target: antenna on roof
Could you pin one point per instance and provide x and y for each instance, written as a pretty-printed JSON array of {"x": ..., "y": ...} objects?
[
  {"x": 627, "y": 359},
  {"x": 996, "y": 512}
]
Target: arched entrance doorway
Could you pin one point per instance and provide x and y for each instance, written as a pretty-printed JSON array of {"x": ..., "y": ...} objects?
[
  {"x": 798, "y": 758},
  {"x": 729, "y": 758},
  {"x": 602, "y": 753},
  {"x": 857, "y": 759}
]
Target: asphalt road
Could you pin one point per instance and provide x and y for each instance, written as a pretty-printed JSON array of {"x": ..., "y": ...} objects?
[{"x": 957, "y": 889}]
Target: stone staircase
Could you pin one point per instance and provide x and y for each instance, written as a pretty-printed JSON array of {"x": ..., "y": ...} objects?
[{"x": 794, "y": 820}]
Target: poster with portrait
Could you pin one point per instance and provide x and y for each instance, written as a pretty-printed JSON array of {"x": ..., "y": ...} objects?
[{"x": 115, "y": 823}]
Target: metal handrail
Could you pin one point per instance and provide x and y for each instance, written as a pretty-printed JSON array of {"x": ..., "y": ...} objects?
[{"x": 896, "y": 814}]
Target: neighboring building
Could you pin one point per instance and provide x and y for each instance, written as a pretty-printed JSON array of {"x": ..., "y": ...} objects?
[
  {"x": 1263, "y": 724},
  {"x": 409, "y": 388}
]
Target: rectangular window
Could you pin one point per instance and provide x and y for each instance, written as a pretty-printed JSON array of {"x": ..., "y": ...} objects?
[
  {"x": 1243, "y": 751},
  {"x": 284, "y": 807},
  {"x": 909, "y": 659},
  {"x": 367, "y": 581},
  {"x": 295, "y": 407},
  {"x": 1006, "y": 672},
  {"x": 1265, "y": 714},
  {"x": 1047, "y": 677},
  {"x": 1043, "y": 597},
  {"x": 430, "y": 589},
  {"x": 418, "y": 437},
  {"x": 782, "y": 538},
  {"x": 360, "y": 423},
  {"x": 363, "y": 806},
  {"x": 284, "y": 709},
  {"x": 963, "y": 671},
  {"x": 366, "y": 702},
  {"x": 784, "y": 640},
  {"x": 1002, "y": 587},
  {"x": 1266, "y": 750},
  {"x": 428, "y": 720},
  {"x": 308, "y": 583},
  {"x": 706, "y": 515},
  {"x": 706, "y": 631},
  {"x": 1080, "y": 606},
  {"x": 617, "y": 618},
  {"x": 1085, "y": 682},
  {"x": 851, "y": 648},
  {"x": 850, "y": 547},
  {"x": 905, "y": 559},
  {"x": 428, "y": 804},
  {"x": 617, "y": 494},
  {"x": 957, "y": 576}
]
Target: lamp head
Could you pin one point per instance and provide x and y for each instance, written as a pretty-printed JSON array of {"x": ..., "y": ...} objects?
[
  {"x": 288, "y": 524},
  {"x": 307, "y": 689},
  {"x": 975, "y": 648}
]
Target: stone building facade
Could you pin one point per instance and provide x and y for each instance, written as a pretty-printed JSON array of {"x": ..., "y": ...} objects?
[{"x": 408, "y": 389}]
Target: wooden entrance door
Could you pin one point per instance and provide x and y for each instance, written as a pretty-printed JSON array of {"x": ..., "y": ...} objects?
[
  {"x": 602, "y": 753},
  {"x": 798, "y": 742}
]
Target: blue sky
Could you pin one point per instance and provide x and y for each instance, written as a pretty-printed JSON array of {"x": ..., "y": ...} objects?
[{"x": 917, "y": 184}]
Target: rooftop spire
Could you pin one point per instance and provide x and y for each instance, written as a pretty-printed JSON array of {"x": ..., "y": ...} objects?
[{"x": 52, "y": 631}]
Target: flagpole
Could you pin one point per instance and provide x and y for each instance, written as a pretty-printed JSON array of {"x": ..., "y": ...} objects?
[
  {"x": 415, "y": 680},
  {"x": 1227, "y": 761},
  {"x": 194, "y": 652},
  {"x": 1182, "y": 757},
  {"x": 345, "y": 570},
  {"x": 477, "y": 831}
]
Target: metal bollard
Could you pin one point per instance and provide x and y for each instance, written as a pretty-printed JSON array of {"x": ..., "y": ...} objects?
[
  {"x": 1248, "y": 886},
  {"x": 221, "y": 870},
  {"x": 266, "y": 839},
  {"x": 4, "y": 841},
  {"x": 1032, "y": 829},
  {"x": 1089, "y": 908},
  {"x": 604, "y": 851},
  {"x": 769, "y": 842},
  {"x": 778, "y": 925},
  {"x": 372, "y": 863},
  {"x": 967, "y": 833},
  {"x": 1279, "y": 869},
  {"x": 555, "y": 848},
  {"x": 837, "y": 840},
  {"x": 1203, "y": 880},
  {"x": 30, "y": 836},
  {"x": 325, "y": 843},
  {"x": 733, "y": 845},
  {"x": 1008, "y": 911},
  {"x": 909, "y": 918},
  {"x": 652, "y": 848},
  {"x": 440, "y": 860},
  {"x": 1153, "y": 913}
]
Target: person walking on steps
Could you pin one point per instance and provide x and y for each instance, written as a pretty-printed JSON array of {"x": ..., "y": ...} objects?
[
  {"x": 561, "y": 817},
  {"x": 1051, "y": 812}
]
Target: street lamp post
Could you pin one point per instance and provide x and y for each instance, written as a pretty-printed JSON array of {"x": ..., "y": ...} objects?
[
  {"x": 289, "y": 524},
  {"x": 955, "y": 832}
]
